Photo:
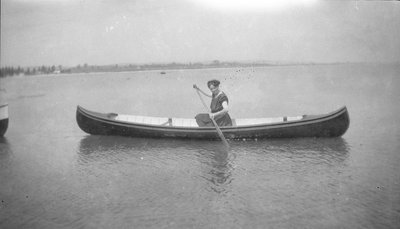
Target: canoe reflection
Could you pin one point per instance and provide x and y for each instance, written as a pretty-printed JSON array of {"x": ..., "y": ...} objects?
[
  {"x": 6, "y": 157},
  {"x": 5, "y": 150},
  {"x": 209, "y": 161},
  {"x": 215, "y": 165},
  {"x": 99, "y": 144},
  {"x": 322, "y": 149},
  {"x": 114, "y": 148}
]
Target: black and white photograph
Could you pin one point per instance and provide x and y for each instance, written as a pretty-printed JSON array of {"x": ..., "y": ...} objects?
[{"x": 200, "y": 114}]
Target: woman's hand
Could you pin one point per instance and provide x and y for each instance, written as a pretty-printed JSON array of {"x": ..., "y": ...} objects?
[{"x": 212, "y": 115}]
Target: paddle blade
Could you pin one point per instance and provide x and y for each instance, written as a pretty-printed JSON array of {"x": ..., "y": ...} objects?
[{"x": 220, "y": 134}]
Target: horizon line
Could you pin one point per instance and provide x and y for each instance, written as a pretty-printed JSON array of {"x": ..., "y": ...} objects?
[{"x": 209, "y": 62}]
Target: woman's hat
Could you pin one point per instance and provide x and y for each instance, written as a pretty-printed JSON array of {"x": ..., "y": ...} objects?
[{"x": 214, "y": 82}]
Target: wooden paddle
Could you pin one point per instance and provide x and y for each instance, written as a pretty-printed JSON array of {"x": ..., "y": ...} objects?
[{"x": 220, "y": 134}]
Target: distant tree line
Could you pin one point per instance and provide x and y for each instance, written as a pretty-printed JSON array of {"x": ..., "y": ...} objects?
[
  {"x": 12, "y": 71},
  {"x": 86, "y": 68}
]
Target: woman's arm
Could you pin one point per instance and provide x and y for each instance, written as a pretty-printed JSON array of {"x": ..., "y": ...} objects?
[
  {"x": 197, "y": 88},
  {"x": 220, "y": 113}
]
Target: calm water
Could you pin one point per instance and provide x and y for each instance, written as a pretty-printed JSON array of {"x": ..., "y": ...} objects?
[{"x": 53, "y": 175}]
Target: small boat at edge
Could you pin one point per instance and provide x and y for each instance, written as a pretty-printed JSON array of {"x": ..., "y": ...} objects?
[
  {"x": 334, "y": 124},
  {"x": 3, "y": 119}
]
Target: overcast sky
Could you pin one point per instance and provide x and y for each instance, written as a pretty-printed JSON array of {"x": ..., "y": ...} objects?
[{"x": 71, "y": 32}]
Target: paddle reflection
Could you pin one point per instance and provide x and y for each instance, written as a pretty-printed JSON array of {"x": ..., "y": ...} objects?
[{"x": 217, "y": 169}]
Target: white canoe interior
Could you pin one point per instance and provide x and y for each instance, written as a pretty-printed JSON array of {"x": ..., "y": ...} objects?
[{"x": 186, "y": 122}]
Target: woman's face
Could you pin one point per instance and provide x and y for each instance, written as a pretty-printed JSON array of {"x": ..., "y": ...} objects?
[{"x": 213, "y": 89}]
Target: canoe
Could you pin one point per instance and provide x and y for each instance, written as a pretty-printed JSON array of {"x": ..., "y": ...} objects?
[
  {"x": 333, "y": 124},
  {"x": 3, "y": 119}
]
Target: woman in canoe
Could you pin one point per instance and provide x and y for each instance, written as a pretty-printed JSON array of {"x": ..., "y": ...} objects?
[{"x": 219, "y": 106}]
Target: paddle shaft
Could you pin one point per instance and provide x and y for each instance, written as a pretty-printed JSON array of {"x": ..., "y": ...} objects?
[{"x": 221, "y": 135}]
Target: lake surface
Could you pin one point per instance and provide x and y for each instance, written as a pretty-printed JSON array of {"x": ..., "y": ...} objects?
[{"x": 53, "y": 175}]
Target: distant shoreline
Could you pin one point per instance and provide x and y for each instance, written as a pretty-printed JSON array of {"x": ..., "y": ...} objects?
[{"x": 43, "y": 70}]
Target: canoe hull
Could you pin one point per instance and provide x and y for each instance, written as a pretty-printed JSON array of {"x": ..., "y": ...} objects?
[
  {"x": 3, "y": 119},
  {"x": 334, "y": 124}
]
